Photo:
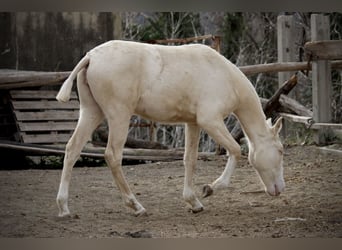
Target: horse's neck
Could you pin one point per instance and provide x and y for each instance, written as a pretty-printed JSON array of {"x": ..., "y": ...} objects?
[{"x": 253, "y": 120}]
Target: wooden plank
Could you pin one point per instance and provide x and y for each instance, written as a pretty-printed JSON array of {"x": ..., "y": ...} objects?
[
  {"x": 45, "y": 104},
  {"x": 47, "y": 126},
  {"x": 49, "y": 115},
  {"x": 45, "y": 138},
  {"x": 324, "y": 50},
  {"x": 37, "y": 94}
]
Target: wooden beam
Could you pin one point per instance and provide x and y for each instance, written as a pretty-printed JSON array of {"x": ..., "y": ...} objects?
[
  {"x": 130, "y": 154},
  {"x": 324, "y": 50},
  {"x": 183, "y": 40},
  {"x": 17, "y": 80},
  {"x": 274, "y": 67},
  {"x": 322, "y": 125},
  {"x": 310, "y": 123},
  {"x": 327, "y": 150},
  {"x": 11, "y": 79},
  {"x": 282, "y": 67},
  {"x": 17, "y": 76},
  {"x": 16, "y": 85},
  {"x": 306, "y": 120}
]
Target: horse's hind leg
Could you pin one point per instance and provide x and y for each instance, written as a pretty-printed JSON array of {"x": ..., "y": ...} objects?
[
  {"x": 218, "y": 131},
  {"x": 90, "y": 117}
]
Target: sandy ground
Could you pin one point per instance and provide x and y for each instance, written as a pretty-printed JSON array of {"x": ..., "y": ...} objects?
[{"x": 311, "y": 206}]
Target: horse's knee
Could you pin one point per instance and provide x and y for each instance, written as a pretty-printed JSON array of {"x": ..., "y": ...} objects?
[{"x": 108, "y": 154}]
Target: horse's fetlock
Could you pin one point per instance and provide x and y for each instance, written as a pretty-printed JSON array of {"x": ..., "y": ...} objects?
[
  {"x": 130, "y": 203},
  {"x": 188, "y": 195}
]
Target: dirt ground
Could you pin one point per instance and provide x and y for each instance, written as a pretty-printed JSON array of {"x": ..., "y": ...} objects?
[{"x": 311, "y": 206}]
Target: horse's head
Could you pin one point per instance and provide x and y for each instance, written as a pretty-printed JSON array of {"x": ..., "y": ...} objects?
[{"x": 266, "y": 157}]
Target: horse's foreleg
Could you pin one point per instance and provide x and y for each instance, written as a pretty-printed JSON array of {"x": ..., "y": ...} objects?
[
  {"x": 118, "y": 129},
  {"x": 192, "y": 132},
  {"x": 218, "y": 131}
]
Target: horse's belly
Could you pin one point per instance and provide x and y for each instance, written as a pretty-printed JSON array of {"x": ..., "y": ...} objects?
[{"x": 165, "y": 109}]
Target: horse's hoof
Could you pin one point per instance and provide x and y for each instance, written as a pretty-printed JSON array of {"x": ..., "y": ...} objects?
[
  {"x": 64, "y": 214},
  {"x": 63, "y": 217},
  {"x": 207, "y": 191},
  {"x": 141, "y": 212},
  {"x": 196, "y": 210}
]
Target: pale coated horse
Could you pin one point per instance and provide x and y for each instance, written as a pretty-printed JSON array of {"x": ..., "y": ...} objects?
[{"x": 189, "y": 84}]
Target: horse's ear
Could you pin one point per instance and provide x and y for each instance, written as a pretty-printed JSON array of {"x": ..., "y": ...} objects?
[
  {"x": 269, "y": 122},
  {"x": 278, "y": 125}
]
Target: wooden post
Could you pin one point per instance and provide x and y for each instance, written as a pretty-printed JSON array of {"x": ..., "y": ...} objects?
[
  {"x": 153, "y": 132},
  {"x": 321, "y": 78},
  {"x": 286, "y": 50}
]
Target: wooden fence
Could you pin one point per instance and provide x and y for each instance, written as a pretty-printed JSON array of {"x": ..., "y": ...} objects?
[
  {"x": 323, "y": 55},
  {"x": 320, "y": 53}
]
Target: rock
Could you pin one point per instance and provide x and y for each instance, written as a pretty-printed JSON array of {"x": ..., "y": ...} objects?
[{"x": 139, "y": 234}]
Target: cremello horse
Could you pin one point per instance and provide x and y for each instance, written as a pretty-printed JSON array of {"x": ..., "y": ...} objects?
[{"x": 191, "y": 84}]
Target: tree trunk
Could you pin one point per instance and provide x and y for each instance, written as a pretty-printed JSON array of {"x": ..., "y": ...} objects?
[{"x": 294, "y": 106}]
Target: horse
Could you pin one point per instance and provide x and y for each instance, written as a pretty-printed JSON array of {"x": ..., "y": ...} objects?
[{"x": 188, "y": 84}]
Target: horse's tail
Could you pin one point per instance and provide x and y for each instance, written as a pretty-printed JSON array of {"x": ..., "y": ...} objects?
[{"x": 65, "y": 91}]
